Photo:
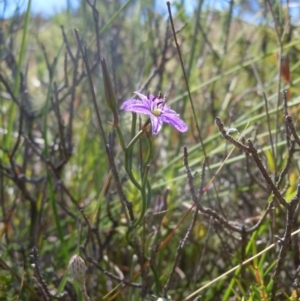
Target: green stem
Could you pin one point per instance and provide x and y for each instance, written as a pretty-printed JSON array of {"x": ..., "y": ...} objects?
[
  {"x": 149, "y": 193},
  {"x": 137, "y": 136},
  {"x": 133, "y": 129},
  {"x": 145, "y": 176},
  {"x": 128, "y": 154},
  {"x": 128, "y": 160},
  {"x": 134, "y": 140},
  {"x": 143, "y": 211},
  {"x": 144, "y": 198},
  {"x": 150, "y": 151},
  {"x": 133, "y": 125},
  {"x": 156, "y": 279},
  {"x": 121, "y": 137}
]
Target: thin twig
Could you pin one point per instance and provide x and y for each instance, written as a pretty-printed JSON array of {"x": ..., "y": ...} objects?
[
  {"x": 285, "y": 112},
  {"x": 285, "y": 241},
  {"x": 269, "y": 126},
  {"x": 41, "y": 282},
  {"x": 186, "y": 79},
  {"x": 125, "y": 203},
  {"x": 184, "y": 241},
  {"x": 67, "y": 43},
  {"x": 110, "y": 275},
  {"x": 69, "y": 133},
  {"x": 89, "y": 75},
  {"x": 253, "y": 151},
  {"x": 289, "y": 121}
]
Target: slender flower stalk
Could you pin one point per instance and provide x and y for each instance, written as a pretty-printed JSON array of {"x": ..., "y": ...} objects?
[{"x": 156, "y": 108}]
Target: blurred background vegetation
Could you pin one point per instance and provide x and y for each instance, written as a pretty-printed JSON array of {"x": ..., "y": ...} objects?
[{"x": 57, "y": 192}]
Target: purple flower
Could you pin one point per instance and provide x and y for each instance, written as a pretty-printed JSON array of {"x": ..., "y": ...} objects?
[{"x": 156, "y": 108}]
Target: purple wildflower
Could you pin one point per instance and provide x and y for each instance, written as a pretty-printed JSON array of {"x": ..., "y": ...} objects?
[{"x": 156, "y": 108}]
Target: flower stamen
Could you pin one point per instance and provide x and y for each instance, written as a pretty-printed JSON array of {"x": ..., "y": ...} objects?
[{"x": 156, "y": 112}]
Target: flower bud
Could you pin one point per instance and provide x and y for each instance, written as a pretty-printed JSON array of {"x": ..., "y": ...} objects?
[
  {"x": 110, "y": 95},
  {"x": 77, "y": 269}
]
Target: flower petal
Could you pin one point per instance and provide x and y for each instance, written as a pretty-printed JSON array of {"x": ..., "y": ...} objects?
[
  {"x": 137, "y": 106},
  {"x": 156, "y": 124},
  {"x": 145, "y": 98},
  {"x": 175, "y": 121},
  {"x": 141, "y": 96},
  {"x": 169, "y": 111}
]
